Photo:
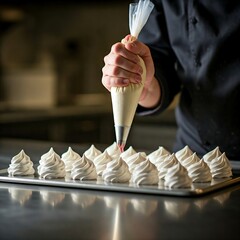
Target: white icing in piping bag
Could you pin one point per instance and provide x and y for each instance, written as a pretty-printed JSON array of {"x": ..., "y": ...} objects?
[{"x": 125, "y": 99}]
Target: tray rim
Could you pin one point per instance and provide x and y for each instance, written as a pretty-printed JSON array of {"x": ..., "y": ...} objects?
[{"x": 198, "y": 189}]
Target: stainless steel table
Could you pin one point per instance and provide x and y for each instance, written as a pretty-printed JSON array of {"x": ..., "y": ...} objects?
[{"x": 41, "y": 212}]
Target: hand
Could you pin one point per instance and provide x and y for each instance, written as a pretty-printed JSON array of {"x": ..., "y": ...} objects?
[{"x": 122, "y": 65}]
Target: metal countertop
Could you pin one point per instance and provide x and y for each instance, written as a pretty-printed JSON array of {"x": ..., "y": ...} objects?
[{"x": 42, "y": 212}]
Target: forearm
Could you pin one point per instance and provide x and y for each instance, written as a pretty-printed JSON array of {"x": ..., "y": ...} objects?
[{"x": 151, "y": 95}]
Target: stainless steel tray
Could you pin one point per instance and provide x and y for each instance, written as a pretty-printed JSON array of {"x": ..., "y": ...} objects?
[{"x": 196, "y": 189}]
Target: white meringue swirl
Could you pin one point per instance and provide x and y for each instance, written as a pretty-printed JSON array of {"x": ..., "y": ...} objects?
[
  {"x": 155, "y": 155},
  {"x": 21, "y": 165},
  {"x": 145, "y": 173},
  {"x": 69, "y": 158},
  {"x": 215, "y": 153},
  {"x": 220, "y": 167},
  {"x": 167, "y": 163},
  {"x": 51, "y": 166},
  {"x": 183, "y": 153},
  {"x": 116, "y": 171},
  {"x": 92, "y": 152},
  {"x": 83, "y": 169},
  {"x": 187, "y": 162},
  {"x": 113, "y": 150},
  {"x": 199, "y": 172},
  {"x": 177, "y": 177},
  {"x": 101, "y": 162},
  {"x": 127, "y": 153},
  {"x": 135, "y": 159}
]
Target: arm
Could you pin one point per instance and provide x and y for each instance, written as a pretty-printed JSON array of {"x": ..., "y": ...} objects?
[
  {"x": 122, "y": 65},
  {"x": 155, "y": 36}
]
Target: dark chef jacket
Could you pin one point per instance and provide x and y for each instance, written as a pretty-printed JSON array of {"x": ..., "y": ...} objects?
[{"x": 196, "y": 50}]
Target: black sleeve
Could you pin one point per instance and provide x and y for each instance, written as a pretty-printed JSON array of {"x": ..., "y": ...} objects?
[{"x": 155, "y": 35}]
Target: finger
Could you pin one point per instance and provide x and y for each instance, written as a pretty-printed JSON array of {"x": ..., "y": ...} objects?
[
  {"x": 109, "y": 82},
  {"x": 121, "y": 62},
  {"x": 138, "y": 48},
  {"x": 118, "y": 72},
  {"x": 119, "y": 49}
]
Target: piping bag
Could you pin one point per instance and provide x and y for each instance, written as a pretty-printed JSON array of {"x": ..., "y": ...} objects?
[{"x": 125, "y": 99}]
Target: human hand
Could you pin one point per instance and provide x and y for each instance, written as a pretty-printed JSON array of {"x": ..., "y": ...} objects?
[{"x": 122, "y": 64}]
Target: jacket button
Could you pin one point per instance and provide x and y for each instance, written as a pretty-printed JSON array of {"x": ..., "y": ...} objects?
[
  {"x": 197, "y": 63},
  {"x": 193, "y": 20}
]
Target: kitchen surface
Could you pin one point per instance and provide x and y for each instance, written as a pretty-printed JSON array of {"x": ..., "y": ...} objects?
[
  {"x": 44, "y": 212},
  {"x": 51, "y": 56}
]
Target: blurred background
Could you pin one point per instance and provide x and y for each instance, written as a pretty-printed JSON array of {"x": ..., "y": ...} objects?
[{"x": 51, "y": 57}]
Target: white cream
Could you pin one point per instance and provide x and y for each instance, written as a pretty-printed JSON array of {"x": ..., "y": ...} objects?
[
  {"x": 183, "y": 153},
  {"x": 199, "y": 172},
  {"x": 51, "y": 166},
  {"x": 215, "y": 153},
  {"x": 125, "y": 101},
  {"x": 21, "y": 165},
  {"x": 135, "y": 159},
  {"x": 127, "y": 153},
  {"x": 145, "y": 173},
  {"x": 69, "y": 158},
  {"x": 160, "y": 159},
  {"x": 101, "y": 162},
  {"x": 92, "y": 152},
  {"x": 190, "y": 160},
  {"x": 113, "y": 150},
  {"x": 220, "y": 167},
  {"x": 177, "y": 177},
  {"x": 116, "y": 171},
  {"x": 83, "y": 169},
  {"x": 159, "y": 153},
  {"x": 167, "y": 163},
  {"x": 49, "y": 153}
]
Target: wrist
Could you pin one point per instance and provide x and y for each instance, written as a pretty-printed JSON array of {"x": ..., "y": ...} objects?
[{"x": 151, "y": 94}]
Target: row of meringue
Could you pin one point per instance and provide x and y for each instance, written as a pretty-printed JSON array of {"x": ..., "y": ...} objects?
[{"x": 130, "y": 165}]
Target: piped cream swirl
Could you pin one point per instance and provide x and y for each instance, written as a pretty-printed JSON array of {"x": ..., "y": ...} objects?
[
  {"x": 21, "y": 165},
  {"x": 177, "y": 177},
  {"x": 101, "y": 162},
  {"x": 167, "y": 163},
  {"x": 183, "y": 153},
  {"x": 113, "y": 150},
  {"x": 215, "y": 153},
  {"x": 187, "y": 162},
  {"x": 116, "y": 171},
  {"x": 135, "y": 159},
  {"x": 220, "y": 167},
  {"x": 159, "y": 153},
  {"x": 51, "y": 166},
  {"x": 145, "y": 173},
  {"x": 129, "y": 152},
  {"x": 69, "y": 158},
  {"x": 199, "y": 172},
  {"x": 92, "y": 153},
  {"x": 83, "y": 169}
]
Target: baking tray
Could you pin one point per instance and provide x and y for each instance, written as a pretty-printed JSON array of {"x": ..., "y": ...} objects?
[{"x": 197, "y": 189}]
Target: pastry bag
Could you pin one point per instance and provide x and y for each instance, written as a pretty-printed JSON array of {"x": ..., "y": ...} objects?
[{"x": 125, "y": 99}]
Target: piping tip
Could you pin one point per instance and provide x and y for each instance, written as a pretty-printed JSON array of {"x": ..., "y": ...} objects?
[
  {"x": 121, "y": 146},
  {"x": 121, "y": 136}
]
